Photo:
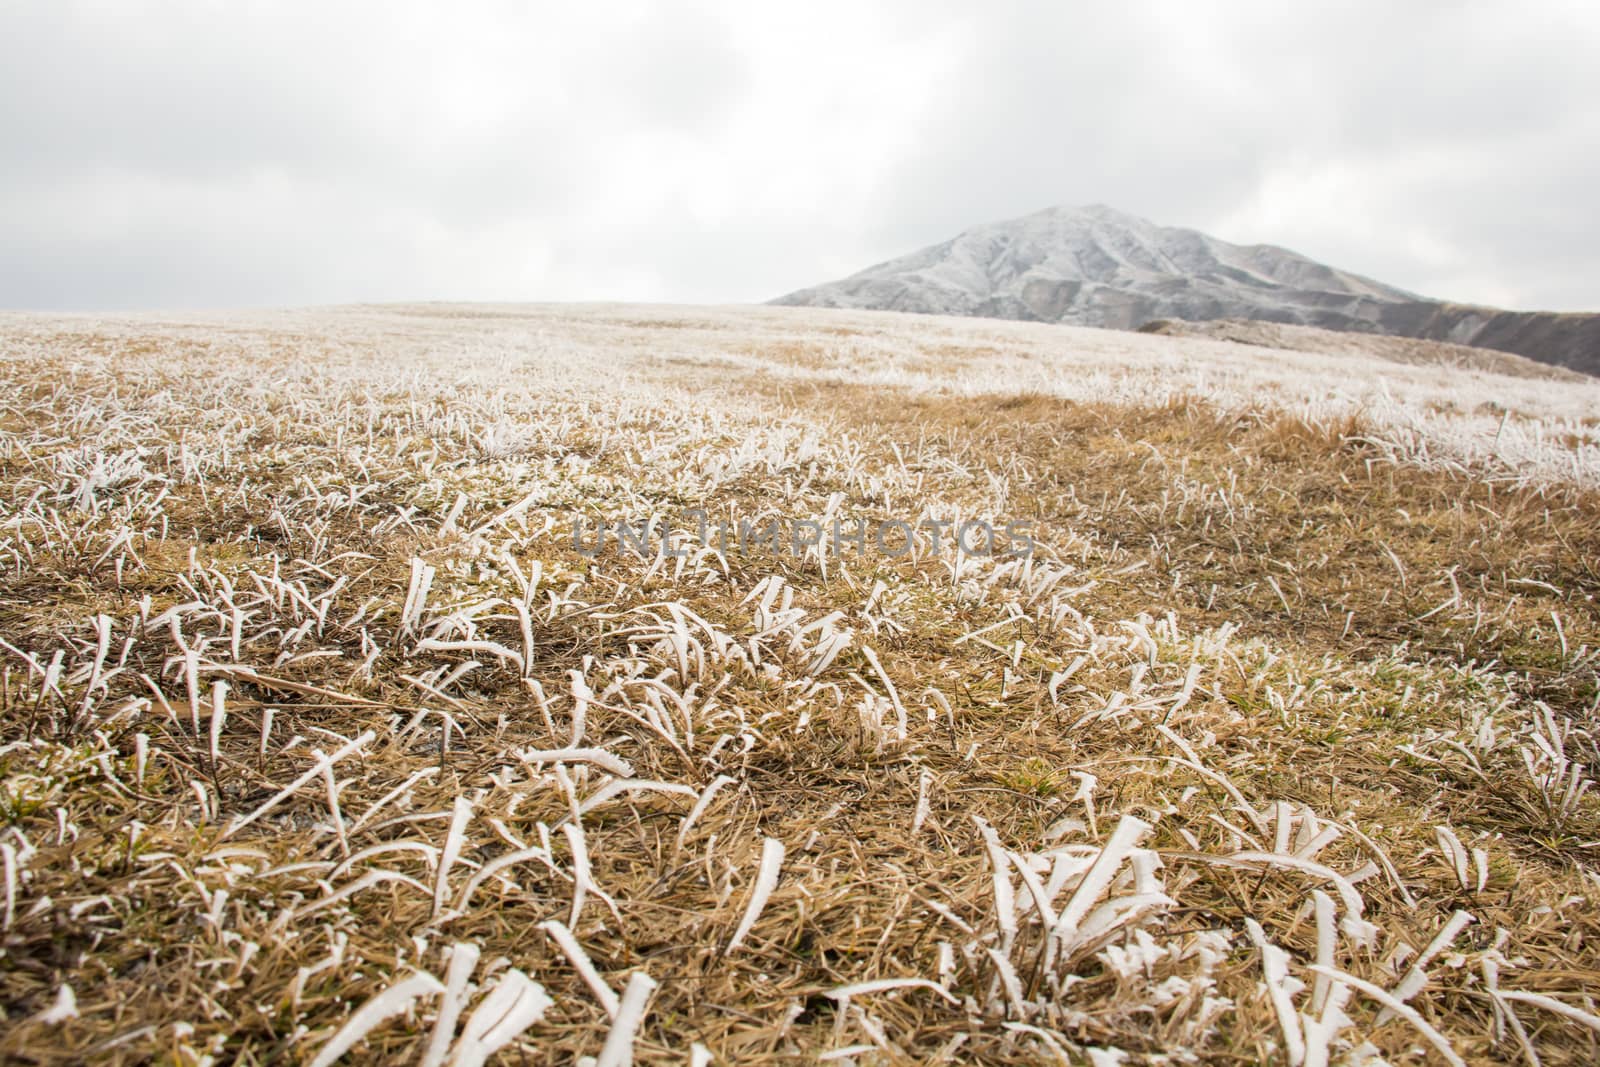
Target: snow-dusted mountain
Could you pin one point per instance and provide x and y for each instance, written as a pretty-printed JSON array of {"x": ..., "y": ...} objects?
[{"x": 1095, "y": 266}]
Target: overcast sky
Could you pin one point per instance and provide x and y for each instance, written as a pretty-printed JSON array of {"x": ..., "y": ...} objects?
[{"x": 238, "y": 153}]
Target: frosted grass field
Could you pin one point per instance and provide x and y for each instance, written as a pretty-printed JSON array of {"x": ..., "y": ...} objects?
[{"x": 319, "y": 738}]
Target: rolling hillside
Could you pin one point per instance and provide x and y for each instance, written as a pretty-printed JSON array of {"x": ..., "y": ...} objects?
[{"x": 465, "y": 684}]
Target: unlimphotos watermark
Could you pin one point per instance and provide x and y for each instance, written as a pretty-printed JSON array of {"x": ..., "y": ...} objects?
[{"x": 781, "y": 535}]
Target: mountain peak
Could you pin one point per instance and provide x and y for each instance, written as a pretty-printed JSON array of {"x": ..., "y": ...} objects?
[{"x": 1094, "y": 265}]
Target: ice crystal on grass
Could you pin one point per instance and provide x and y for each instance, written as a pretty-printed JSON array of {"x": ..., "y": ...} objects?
[{"x": 321, "y": 740}]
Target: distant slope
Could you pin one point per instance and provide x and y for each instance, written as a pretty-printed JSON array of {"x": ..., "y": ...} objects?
[
  {"x": 1560, "y": 338},
  {"x": 1095, "y": 266},
  {"x": 1410, "y": 350}
]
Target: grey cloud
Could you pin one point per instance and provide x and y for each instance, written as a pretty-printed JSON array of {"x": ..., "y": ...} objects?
[
  {"x": 1187, "y": 116},
  {"x": 177, "y": 154}
]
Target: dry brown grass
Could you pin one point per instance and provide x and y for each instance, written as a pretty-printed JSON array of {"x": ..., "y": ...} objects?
[{"x": 1238, "y": 627}]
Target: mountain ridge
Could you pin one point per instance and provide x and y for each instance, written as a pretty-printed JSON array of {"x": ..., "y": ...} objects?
[{"x": 1097, "y": 266}]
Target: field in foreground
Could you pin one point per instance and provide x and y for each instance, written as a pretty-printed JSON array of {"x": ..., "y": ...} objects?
[{"x": 319, "y": 729}]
